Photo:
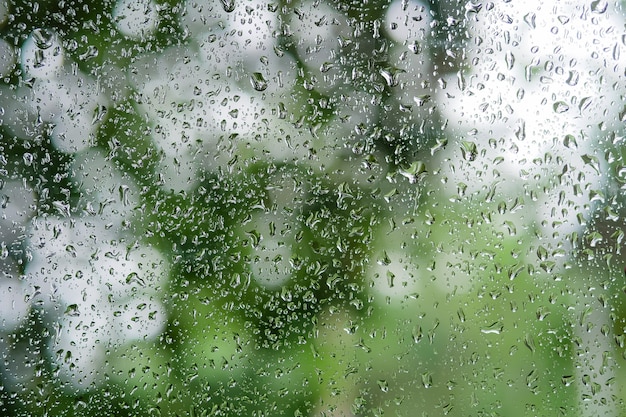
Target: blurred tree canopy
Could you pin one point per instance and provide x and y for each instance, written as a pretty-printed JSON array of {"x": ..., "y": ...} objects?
[{"x": 251, "y": 208}]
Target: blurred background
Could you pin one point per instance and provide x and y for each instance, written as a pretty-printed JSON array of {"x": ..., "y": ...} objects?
[{"x": 303, "y": 208}]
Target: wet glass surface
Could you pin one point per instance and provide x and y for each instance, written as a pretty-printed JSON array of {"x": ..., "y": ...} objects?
[{"x": 334, "y": 208}]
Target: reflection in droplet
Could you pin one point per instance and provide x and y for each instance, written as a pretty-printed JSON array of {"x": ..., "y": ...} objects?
[
  {"x": 599, "y": 6},
  {"x": 228, "y": 5},
  {"x": 560, "y": 107},
  {"x": 259, "y": 83},
  {"x": 43, "y": 38},
  {"x": 493, "y": 328}
]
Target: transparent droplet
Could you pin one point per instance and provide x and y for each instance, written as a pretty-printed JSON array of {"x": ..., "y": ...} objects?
[
  {"x": 72, "y": 310},
  {"x": 28, "y": 158},
  {"x": 493, "y": 328},
  {"x": 383, "y": 385},
  {"x": 228, "y": 5},
  {"x": 469, "y": 150},
  {"x": 509, "y": 58},
  {"x": 599, "y": 6},
  {"x": 44, "y": 38},
  {"x": 560, "y": 107},
  {"x": 259, "y": 83}
]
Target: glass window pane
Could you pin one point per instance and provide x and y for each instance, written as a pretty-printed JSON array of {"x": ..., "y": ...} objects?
[{"x": 312, "y": 207}]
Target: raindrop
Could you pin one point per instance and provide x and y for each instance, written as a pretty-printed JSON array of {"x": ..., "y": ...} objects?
[
  {"x": 421, "y": 100},
  {"x": 560, "y": 107},
  {"x": 259, "y": 83},
  {"x": 72, "y": 310},
  {"x": 493, "y": 328},
  {"x": 28, "y": 159},
  {"x": 572, "y": 78},
  {"x": 62, "y": 208},
  {"x": 469, "y": 150},
  {"x": 570, "y": 142},
  {"x": 383, "y": 385},
  {"x": 599, "y": 6},
  {"x": 592, "y": 161},
  {"x": 427, "y": 379},
  {"x": 509, "y": 58},
  {"x": 90, "y": 53},
  {"x": 568, "y": 380},
  {"x": 44, "y": 38},
  {"x": 134, "y": 278},
  {"x": 530, "y": 19},
  {"x": 228, "y": 5}
]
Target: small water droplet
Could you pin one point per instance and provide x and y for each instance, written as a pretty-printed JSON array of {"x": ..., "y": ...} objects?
[{"x": 259, "y": 83}]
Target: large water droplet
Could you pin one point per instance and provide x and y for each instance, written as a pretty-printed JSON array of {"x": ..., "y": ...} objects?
[
  {"x": 259, "y": 83},
  {"x": 560, "y": 107},
  {"x": 494, "y": 328},
  {"x": 228, "y": 5},
  {"x": 43, "y": 38},
  {"x": 599, "y": 6},
  {"x": 469, "y": 150}
]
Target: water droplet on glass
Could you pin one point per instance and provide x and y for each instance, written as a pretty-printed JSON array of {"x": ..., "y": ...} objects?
[
  {"x": 493, "y": 328},
  {"x": 509, "y": 58},
  {"x": 427, "y": 379},
  {"x": 421, "y": 100},
  {"x": 62, "y": 208},
  {"x": 560, "y": 107},
  {"x": 28, "y": 158},
  {"x": 570, "y": 142},
  {"x": 91, "y": 52},
  {"x": 469, "y": 150},
  {"x": 414, "y": 172},
  {"x": 530, "y": 19},
  {"x": 228, "y": 5},
  {"x": 572, "y": 78},
  {"x": 599, "y": 6},
  {"x": 43, "y": 38},
  {"x": 382, "y": 384},
  {"x": 592, "y": 161},
  {"x": 258, "y": 81},
  {"x": 72, "y": 310},
  {"x": 390, "y": 75},
  {"x": 134, "y": 278},
  {"x": 568, "y": 380}
]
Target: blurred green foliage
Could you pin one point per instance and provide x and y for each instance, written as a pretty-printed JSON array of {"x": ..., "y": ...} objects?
[{"x": 473, "y": 318}]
